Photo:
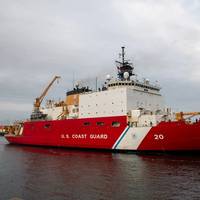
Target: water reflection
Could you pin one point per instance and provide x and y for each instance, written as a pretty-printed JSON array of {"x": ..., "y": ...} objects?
[{"x": 51, "y": 173}]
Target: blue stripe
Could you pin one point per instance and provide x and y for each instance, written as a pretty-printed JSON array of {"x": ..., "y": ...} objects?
[{"x": 122, "y": 137}]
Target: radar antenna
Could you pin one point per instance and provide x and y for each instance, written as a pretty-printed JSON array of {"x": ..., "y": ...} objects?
[{"x": 124, "y": 66}]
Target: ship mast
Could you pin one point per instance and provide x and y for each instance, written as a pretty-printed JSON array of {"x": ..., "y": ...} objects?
[
  {"x": 123, "y": 53},
  {"x": 124, "y": 67}
]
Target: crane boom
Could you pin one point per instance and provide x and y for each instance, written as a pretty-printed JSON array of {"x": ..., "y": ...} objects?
[
  {"x": 39, "y": 99},
  {"x": 180, "y": 115}
]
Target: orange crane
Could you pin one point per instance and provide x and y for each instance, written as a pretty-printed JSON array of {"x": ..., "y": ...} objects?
[
  {"x": 37, "y": 114},
  {"x": 180, "y": 115},
  {"x": 39, "y": 99}
]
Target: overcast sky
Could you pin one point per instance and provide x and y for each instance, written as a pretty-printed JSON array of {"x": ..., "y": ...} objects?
[{"x": 43, "y": 38}]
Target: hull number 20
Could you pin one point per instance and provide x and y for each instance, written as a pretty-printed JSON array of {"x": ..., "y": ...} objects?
[{"x": 158, "y": 136}]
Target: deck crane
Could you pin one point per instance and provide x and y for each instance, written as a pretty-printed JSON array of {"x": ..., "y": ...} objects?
[
  {"x": 180, "y": 115},
  {"x": 37, "y": 114}
]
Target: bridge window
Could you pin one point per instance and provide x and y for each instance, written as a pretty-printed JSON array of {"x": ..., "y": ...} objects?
[{"x": 115, "y": 124}]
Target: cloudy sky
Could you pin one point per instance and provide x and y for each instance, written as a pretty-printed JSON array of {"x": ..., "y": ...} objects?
[{"x": 43, "y": 38}]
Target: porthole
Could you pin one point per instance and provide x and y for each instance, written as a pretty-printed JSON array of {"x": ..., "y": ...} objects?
[
  {"x": 115, "y": 124},
  {"x": 86, "y": 123},
  {"x": 100, "y": 123},
  {"x": 47, "y": 126}
]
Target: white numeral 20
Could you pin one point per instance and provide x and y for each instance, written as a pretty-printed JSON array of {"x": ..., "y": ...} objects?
[{"x": 158, "y": 136}]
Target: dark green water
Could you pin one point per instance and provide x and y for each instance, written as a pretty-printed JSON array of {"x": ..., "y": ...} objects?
[{"x": 56, "y": 174}]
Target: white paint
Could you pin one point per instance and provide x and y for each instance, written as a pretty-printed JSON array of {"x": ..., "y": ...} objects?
[
  {"x": 103, "y": 103},
  {"x": 21, "y": 130},
  {"x": 52, "y": 113},
  {"x": 73, "y": 111},
  {"x": 149, "y": 120},
  {"x": 133, "y": 138},
  {"x": 115, "y": 145},
  {"x": 140, "y": 99},
  {"x": 158, "y": 136},
  {"x": 117, "y": 101}
]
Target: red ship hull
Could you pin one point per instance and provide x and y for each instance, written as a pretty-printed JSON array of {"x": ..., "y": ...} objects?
[
  {"x": 71, "y": 133},
  {"x": 177, "y": 136},
  {"x": 86, "y": 133}
]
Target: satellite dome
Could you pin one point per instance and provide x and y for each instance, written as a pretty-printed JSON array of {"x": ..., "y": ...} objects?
[
  {"x": 126, "y": 75},
  {"x": 108, "y": 77}
]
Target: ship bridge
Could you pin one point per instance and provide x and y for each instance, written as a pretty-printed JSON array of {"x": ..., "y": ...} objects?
[
  {"x": 136, "y": 85},
  {"x": 125, "y": 73}
]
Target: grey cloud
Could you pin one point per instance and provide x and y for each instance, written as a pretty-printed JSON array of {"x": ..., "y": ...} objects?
[{"x": 39, "y": 39}]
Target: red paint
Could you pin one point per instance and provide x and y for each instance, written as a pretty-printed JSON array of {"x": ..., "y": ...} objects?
[
  {"x": 176, "y": 136},
  {"x": 50, "y": 133},
  {"x": 167, "y": 136}
]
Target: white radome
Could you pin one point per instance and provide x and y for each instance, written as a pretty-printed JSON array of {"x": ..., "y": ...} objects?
[
  {"x": 108, "y": 77},
  {"x": 126, "y": 75}
]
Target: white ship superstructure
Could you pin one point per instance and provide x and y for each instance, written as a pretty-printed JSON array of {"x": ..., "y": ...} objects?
[{"x": 119, "y": 96}]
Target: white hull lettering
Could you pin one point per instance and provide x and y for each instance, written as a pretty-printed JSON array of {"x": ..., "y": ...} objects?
[
  {"x": 79, "y": 136},
  {"x": 99, "y": 136},
  {"x": 84, "y": 136}
]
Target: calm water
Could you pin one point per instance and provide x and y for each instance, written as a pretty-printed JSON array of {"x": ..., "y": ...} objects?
[{"x": 50, "y": 173}]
